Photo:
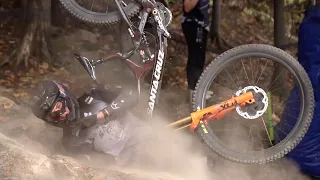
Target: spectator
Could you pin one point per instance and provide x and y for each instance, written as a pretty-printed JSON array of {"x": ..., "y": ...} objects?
[
  {"x": 195, "y": 27},
  {"x": 306, "y": 153}
]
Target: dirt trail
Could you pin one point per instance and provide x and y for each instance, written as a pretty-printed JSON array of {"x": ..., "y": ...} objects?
[{"x": 30, "y": 149}]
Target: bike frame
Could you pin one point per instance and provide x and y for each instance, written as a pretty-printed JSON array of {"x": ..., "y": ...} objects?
[{"x": 157, "y": 62}]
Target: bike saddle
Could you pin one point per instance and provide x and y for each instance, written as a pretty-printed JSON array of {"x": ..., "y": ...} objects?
[{"x": 87, "y": 64}]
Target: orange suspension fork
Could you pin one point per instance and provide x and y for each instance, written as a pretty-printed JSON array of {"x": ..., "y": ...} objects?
[{"x": 218, "y": 111}]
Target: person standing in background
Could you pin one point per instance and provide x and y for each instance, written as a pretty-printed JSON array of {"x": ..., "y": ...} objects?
[{"x": 195, "y": 27}]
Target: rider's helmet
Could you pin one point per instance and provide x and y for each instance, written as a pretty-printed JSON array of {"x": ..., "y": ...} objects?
[{"x": 55, "y": 103}]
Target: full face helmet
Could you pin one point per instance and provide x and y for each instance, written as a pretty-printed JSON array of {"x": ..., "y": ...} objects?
[{"x": 54, "y": 103}]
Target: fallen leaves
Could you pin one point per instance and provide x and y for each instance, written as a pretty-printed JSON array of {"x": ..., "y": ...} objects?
[
  {"x": 25, "y": 79},
  {"x": 7, "y": 105},
  {"x": 2, "y": 81},
  {"x": 44, "y": 66},
  {"x": 20, "y": 95},
  {"x": 180, "y": 69},
  {"x": 18, "y": 83}
]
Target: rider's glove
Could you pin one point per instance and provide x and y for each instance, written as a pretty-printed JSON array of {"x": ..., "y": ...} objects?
[{"x": 92, "y": 120}]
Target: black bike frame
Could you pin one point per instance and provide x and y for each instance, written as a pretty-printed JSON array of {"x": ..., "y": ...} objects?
[
  {"x": 157, "y": 62},
  {"x": 155, "y": 85}
]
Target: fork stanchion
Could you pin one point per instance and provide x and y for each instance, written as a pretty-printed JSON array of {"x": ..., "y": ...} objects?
[
  {"x": 181, "y": 122},
  {"x": 183, "y": 127}
]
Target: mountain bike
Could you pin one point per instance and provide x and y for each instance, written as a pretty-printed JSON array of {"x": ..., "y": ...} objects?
[{"x": 249, "y": 102}]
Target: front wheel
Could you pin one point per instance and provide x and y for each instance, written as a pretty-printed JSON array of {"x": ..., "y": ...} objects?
[{"x": 243, "y": 135}]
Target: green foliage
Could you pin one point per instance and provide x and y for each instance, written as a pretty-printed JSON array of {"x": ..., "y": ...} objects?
[
  {"x": 173, "y": 1},
  {"x": 287, "y": 2}
]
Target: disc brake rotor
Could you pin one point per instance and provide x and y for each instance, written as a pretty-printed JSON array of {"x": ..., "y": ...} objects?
[{"x": 256, "y": 109}]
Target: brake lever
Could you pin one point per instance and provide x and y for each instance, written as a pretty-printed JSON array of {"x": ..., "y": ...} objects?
[{"x": 160, "y": 24}]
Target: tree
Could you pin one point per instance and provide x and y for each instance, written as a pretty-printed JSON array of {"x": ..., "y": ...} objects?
[
  {"x": 278, "y": 76},
  {"x": 35, "y": 26},
  {"x": 215, "y": 35}
]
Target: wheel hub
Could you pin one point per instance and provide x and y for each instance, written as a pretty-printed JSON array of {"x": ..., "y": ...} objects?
[{"x": 256, "y": 109}]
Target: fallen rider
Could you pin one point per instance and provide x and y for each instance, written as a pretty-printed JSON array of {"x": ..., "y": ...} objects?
[{"x": 97, "y": 120}]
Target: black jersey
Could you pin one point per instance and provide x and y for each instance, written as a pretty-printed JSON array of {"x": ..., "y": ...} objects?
[{"x": 200, "y": 13}]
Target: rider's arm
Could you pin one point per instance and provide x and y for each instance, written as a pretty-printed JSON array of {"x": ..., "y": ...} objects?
[
  {"x": 124, "y": 100},
  {"x": 188, "y": 5}
]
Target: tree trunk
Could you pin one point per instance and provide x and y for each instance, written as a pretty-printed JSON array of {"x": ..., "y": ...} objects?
[
  {"x": 279, "y": 39},
  {"x": 215, "y": 35},
  {"x": 56, "y": 13},
  {"x": 279, "y": 25},
  {"x": 35, "y": 25}
]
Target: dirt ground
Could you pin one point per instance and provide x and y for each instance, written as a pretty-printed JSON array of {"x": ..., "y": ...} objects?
[{"x": 30, "y": 149}]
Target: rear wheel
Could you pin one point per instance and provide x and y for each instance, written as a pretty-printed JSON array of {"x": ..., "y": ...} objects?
[
  {"x": 271, "y": 135},
  {"x": 103, "y": 12}
]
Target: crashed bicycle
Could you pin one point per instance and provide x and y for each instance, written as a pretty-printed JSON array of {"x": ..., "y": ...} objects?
[{"x": 236, "y": 91}]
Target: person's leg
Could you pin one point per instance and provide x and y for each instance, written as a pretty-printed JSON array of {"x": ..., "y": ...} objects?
[
  {"x": 135, "y": 151},
  {"x": 197, "y": 55},
  {"x": 196, "y": 43},
  {"x": 190, "y": 32}
]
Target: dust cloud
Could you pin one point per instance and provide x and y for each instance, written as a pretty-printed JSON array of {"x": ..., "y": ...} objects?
[
  {"x": 183, "y": 155},
  {"x": 31, "y": 149}
]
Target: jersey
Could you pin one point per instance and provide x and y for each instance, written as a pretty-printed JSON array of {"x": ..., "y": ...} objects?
[
  {"x": 114, "y": 100},
  {"x": 114, "y": 135},
  {"x": 200, "y": 14}
]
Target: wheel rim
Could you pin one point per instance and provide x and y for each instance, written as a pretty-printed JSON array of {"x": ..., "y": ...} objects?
[{"x": 270, "y": 151}]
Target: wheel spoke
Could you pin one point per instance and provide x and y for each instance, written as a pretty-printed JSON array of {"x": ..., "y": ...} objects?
[{"x": 262, "y": 72}]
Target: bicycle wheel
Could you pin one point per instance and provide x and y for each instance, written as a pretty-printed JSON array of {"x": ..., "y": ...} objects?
[
  {"x": 269, "y": 134},
  {"x": 80, "y": 9}
]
